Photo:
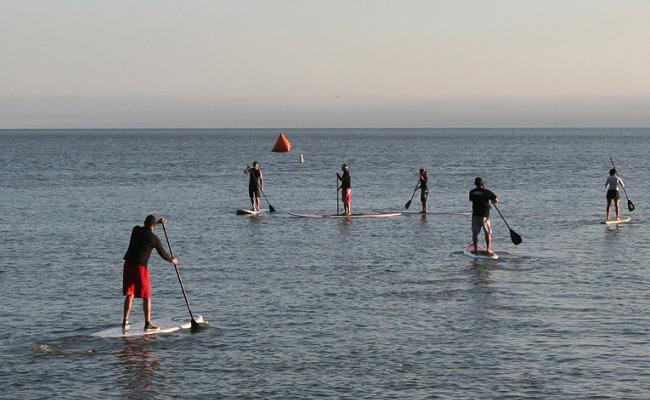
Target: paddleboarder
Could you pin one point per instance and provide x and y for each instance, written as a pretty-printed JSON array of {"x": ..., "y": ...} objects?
[
  {"x": 135, "y": 276},
  {"x": 346, "y": 189},
  {"x": 424, "y": 190},
  {"x": 481, "y": 199},
  {"x": 612, "y": 183},
  {"x": 255, "y": 184}
]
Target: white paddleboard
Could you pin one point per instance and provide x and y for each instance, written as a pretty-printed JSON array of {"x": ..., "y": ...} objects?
[
  {"x": 436, "y": 213},
  {"x": 166, "y": 325},
  {"x": 371, "y": 215},
  {"x": 482, "y": 253},
  {"x": 614, "y": 221},
  {"x": 250, "y": 212}
]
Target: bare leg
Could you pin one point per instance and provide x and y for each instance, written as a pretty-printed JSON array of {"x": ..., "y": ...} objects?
[
  {"x": 618, "y": 207},
  {"x": 257, "y": 203},
  {"x": 252, "y": 203},
  {"x": 475, "y": 233},
  {"x": 487, "y": 227},
  {"x": 349, "y": 201},
  {"x": 128, "y": 302},
  {"x": 475, "y": 242},
  {"x": 146, "y": 307},
  {"x": 609, "y": 203}
]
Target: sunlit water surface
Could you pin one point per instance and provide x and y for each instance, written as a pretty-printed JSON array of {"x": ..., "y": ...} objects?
[{"x": 320, "y": 308}]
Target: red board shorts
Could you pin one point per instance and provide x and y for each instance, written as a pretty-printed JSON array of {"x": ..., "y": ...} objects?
[
  {"x": 346, "y": 196},
  {"x": 135, "y": 280}
]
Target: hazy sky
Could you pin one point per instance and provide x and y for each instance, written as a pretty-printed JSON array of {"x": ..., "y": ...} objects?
[{"x": 91, "y": 63}]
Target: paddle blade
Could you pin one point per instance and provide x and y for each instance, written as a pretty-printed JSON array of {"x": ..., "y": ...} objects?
[
  {"x": 630, "y": 205},
  {"x": 196, "y": 326},
  {"x": 407, "y": 205},
  {"x": 514, "y": 236},
  {"x": 271, "y": 208}
]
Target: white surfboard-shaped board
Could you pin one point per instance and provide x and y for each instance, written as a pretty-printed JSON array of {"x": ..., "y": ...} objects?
[
  {"x": 614, "y": 221},
  {"x": 482, "y": 253},
  {"x": 436, "y": 213},
  {"x": 371, "y": 215},
  {"x": 166, "y": 325},
  {"x": 306, "y": 215},
  {"x": 249, "y": 212}
]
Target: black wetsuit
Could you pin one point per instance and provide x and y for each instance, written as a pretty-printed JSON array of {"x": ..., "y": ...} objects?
[
  {"x": 142, "y": 242},
  {"x": 424, "y": 190},
  {"x": 254, "y": 183},
  {"x": 346, "y": 181}
]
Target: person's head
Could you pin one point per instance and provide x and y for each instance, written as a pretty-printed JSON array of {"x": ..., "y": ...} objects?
[
  {"x": 256, "y": 165},
  {"x": 479, "y": 182},
  {"x": 423, "y": 171},
  {"x": 151, "y": 221},
  {"x": 612, "y": 172},
  {"x": 344, "y": 167}
]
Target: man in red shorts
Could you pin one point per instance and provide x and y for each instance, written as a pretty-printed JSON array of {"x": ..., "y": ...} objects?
[{"x": 135, "y": 277}]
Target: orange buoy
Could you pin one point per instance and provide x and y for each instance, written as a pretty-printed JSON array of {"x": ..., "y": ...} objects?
[{"x": 282, "y": 145}]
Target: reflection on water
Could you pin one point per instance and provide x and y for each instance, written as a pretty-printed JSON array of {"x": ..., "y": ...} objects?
[
  {"x": 138, "y": 366},
  {"x": 345, "y": 225},
  {"x": 480, "y": 272}
]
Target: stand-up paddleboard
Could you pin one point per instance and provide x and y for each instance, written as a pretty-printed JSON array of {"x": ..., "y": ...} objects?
[
  {"x": 436, "y": 213},
  {"x": 166, "y": 325},
  {"x": 371, "y": 215},
  {"x": 614, "y": 221},
  {"x": 250, "y": 212},
  {"x": 482, "y": 253}
]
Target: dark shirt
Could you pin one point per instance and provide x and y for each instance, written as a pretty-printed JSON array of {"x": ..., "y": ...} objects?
[
  {"x": 480, "y": 199},
  {"x": 142, "y": 242},
  {"x": 423, "y": 182},
  {"x": 346, "y": 182},
  {"x": 254, "y": 176}
]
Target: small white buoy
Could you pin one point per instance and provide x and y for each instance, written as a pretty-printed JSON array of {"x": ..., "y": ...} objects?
[{"x": 302, "y": 159}]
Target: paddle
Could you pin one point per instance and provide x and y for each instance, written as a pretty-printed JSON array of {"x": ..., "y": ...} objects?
[
  {"x": 271, "y": 208},
  {"x": 514, "y": 236},
  {"x": 195, "y": 325},
  {"x": 630, "y": 205},
  {"x": 408, "y": 203}
]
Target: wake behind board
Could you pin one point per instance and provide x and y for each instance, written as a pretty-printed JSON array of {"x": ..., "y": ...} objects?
[
  {"x": 482, "y": 253},
  {"x": 614, "y": 221},
  {"x": 166, "y": 325},
  {"x": 371, "y": 215}
]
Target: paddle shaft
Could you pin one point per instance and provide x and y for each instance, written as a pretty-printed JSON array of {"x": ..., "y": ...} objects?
[
  {"x": 178, "y": 275},
  {"x": 408, "y": 203},
  {"x": 504, "y": 220},
  {"x": 623, "y": 186},
  {"x": 271, "y": 208},
  {"x": 514, "y": 236}
]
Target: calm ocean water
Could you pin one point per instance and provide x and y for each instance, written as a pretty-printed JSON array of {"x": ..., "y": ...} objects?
[{"x": 310, "y": 308}]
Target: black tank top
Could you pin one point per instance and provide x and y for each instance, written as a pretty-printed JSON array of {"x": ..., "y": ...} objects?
[
  {"x": 254, "y": 178},
  {"x": 346, "y": 181}
]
